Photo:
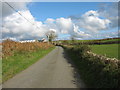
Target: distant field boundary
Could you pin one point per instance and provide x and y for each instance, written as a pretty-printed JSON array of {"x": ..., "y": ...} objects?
[{"x": 90, "y": 43}]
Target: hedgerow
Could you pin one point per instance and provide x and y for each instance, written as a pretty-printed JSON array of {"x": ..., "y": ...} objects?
[{"x": 95, "y": 70}]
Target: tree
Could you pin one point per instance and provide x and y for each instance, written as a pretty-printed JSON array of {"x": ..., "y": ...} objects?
[
  {"x": 51, "y": 35},
  {"x": 73, "y": 38}
]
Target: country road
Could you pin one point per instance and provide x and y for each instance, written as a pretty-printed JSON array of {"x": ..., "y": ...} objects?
[{"x": 52, "y": 71}]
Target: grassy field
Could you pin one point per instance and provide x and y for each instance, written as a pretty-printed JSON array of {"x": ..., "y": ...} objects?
[
  {"x": 18, "y": 56},
  {"x": 110, "y": 50},
  {"x": 111, "y": 40}
]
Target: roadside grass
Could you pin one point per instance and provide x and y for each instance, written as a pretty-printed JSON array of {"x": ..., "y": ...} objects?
[
  {"x": 0, "y": 70},
  {"x": 110, "y": 50},
  {"x": 20, "y": 61}
]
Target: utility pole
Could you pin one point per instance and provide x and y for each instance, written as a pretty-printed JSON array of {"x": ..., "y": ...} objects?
[{"x": 48, "y": 39}]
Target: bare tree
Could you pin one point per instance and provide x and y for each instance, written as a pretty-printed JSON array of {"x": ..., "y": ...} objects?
[{"x": 51, "y": 35}]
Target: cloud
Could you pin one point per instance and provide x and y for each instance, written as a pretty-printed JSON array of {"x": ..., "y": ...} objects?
[
  {"x": 65, "y": 25},
  {"x": 87, "y": 26},
  {"x": 80, "y": 34},
  {"x": 49, "y": 21},
  {"x": 91, "y": 13},
  {"x": 21, "y": 28},
  {"x": 110, "y": 11},
  {"x": 91, "y": 22},
  {"x": 61, "y": 25},
  {"x": 109, "y": 35},
  {"x": 7, "y": 10},
  {"x": 51, "y": 24}
]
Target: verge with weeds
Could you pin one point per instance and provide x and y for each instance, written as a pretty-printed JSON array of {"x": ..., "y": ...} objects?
[{"x": 19, "y": 56}]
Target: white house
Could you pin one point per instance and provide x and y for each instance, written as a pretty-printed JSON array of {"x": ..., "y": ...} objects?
[{"x": 27, "y": 41}]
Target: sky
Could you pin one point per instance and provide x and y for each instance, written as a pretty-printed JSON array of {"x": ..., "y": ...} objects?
[
  {"x": 54, "y": 10},
  {"x": 81, "y": 20}
]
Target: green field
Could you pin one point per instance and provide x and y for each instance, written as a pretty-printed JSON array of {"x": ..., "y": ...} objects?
[
  {"x": 110, "y": 50},
  {"x": 109, "y": 40},
  {"x": 79, "y": 41}
]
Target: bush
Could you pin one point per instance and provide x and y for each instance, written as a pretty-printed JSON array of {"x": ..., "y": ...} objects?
[
  {"x": 95, "y": 71},
  {"x": 10, "y": 48}
]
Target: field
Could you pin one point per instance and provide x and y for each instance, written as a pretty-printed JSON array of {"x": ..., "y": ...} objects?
[
  {"x": 18, "y": 56},
  {"x": 110, "y": 50},
  {"x": 107, "y": 47},
  {"x": 110, "y": 40}
]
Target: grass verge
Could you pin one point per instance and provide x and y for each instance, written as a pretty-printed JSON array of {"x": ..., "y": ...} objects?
[
  {"x": 0, "y": 70},
  {"x": 20, "y": 61}
]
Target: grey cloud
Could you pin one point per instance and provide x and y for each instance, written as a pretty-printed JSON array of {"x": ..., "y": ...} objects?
[
  {"x": 7, "y": 10},
  {"x": 90, "y": 21},
  {"x": 111, "y": 12}
]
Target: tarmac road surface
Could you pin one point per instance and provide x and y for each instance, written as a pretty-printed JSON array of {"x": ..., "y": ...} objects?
[{"x": 52, "y": 71}]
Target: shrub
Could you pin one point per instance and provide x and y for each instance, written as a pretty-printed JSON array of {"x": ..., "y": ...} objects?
[
  {"x": 96, "y": 71},
  {"x": 10, "y": 47}
]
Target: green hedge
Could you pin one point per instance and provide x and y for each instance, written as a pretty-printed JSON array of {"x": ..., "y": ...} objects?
[{"x": 96, "y": 73}]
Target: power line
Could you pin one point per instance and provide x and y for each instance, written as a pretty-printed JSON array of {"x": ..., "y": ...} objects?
[{"x": 19, "y": 13}]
